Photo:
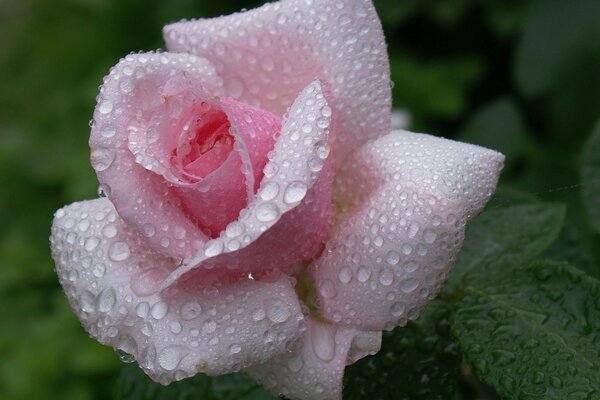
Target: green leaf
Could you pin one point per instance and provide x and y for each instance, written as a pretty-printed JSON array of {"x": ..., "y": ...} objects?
[
  {"x": 534, "y": 334},
  {"x": 590, "y": 177},
  {"x": 434, "y": 88},
  {"x": 508, "y": 235},
  {"x": 499, "y": 126},
  {"x": 560, "y": 40},
  {"x": 570, "y": 247},
  {"x": 135, "y": 385},
  {"x": 416, "y": 362}
]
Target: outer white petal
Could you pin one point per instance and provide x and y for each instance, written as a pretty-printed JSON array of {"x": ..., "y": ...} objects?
[
  {"x": 404, "y": 201},
  {"x": 315, "y": 368},
  {"x": 267, "y": 55},
  {"x": 112, "y": 279}
]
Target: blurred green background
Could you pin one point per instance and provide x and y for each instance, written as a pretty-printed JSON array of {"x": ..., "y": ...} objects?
[{"x": 520, "y": 76}]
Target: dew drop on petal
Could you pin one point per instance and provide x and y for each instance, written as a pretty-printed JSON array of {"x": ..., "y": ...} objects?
[
  {"x": 190, "y": 310},
  {"x": 295, "y": 192},
  {"x": 124, "y": 356},
  {"x": 105, "y": 107},
  {"x": 267, "y": 212},
  {"x": 119, "y": 251},
  {"x": 278, "y": 313},
  {"x": 159, "y": 310},
  {"x": 323, "y": 342},
  {"x": 106, "y": 300},
  {"x": 235, "y": 348},
  {"x": 102, "y": 158},
  {"x": 170, "y": 357}
]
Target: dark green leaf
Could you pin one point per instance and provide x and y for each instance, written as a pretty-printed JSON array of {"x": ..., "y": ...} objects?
[
  {"x": 590, "y": 177},
  {"x": 570, "y": 247},
  {"x": 559, "y": 40},
  {"x": 510, "y": 235},
  {"x": 535, "y": 334},
  {"x": 416, "y": 362},
  {"x": 135, "y": 385}
]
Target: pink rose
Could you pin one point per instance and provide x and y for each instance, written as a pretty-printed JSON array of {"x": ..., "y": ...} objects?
[{"x": 258, "y": 213}]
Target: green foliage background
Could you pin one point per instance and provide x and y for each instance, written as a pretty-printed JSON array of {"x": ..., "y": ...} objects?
[{"x": 520, "y": 76}]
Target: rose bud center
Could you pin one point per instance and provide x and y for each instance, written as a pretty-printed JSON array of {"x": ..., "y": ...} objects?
[{"x": 204, "y": 143}]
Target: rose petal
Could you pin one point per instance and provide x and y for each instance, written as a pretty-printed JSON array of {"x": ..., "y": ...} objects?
[
  {"x": 314, "y": 370},
  {"x": 404, "y": 201},
  {"x": 134, "y": 86},
  {"x": 217, "y": 199},
  {"x": 267, "y": 55},
  {"x": 112, "y": 281},
  {"x": 272, "y": 232}
]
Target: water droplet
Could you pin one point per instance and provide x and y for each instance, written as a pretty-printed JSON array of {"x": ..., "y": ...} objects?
[
  {"x": 398, "y": 309},
  {"x": 99, "y": 270},
  {"x": 295, "y": 192},
  {"x": 105, "y": 106},
  {"x": 429, "y": 236},
  {"x": 412, "y": 230},
  {"x": 235, "y": 348},
  {"x": 392, "y": 257},
  {"x": 102, "y": 158},
  {"x": 159, "y": 310},
  {"x": 209, "y": 327},
  {"x": 323, "y": 341},
  {"x": 234, "y": 229},
  {"x": 109, "y": 231},
  {"x": 170, "y": 357},
  {"x": 267, "y": 212},
  {"x": 327, "y": 289},
  {"x": 119, "y": 251},
  {"x": 322, "y": 149},
  {"x": 386, "y": 277},
  {"x": 409, "y": 285},
  {"x": 345, "y": 275},
  {"x": 91, "y": 243},
  {"x": 125, "y": 357},
  {"x": 363, "y": 274},
  {"x": 107, "y": 300},
  {"x": 108, "y": 132},
  {"x": 142, "y": 309},
  {"x": 190, "y": 310},
  {"x": 175, "y": 327},
  {"x": 258, "y": 315},
  {"x": 269, "y": 191},
  {"x": 278, "y": 313},
  {"x": 213, "y": 248},
  {"x": 84, "y": 225},
  {"x": 295, "y": 364}
]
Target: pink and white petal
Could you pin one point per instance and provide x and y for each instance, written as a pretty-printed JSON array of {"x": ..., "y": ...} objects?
[
  {"x": 135, "y": 87},
  {"x": 255, "y": 132},
  {"x": 112, "y": 281},
  {"x": 314, "y": 370},
  {"x": 267, "y": 55},
  {"x": 296, "y": 188},
  {"x": 406, "y": 198}
]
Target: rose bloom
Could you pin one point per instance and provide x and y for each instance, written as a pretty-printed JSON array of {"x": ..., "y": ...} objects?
[{"x": 257, "y": 213}]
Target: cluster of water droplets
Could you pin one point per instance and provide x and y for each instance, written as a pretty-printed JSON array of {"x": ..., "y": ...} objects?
[
  {"x": 113, "y": 284},
  {"x": 294, "y": 166},
  {"x": 404, "y": 202},
  {"x": 126, "y": 142},
  {"x": 315, "y": 367},
  {"x": 266, "y": 56}
]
